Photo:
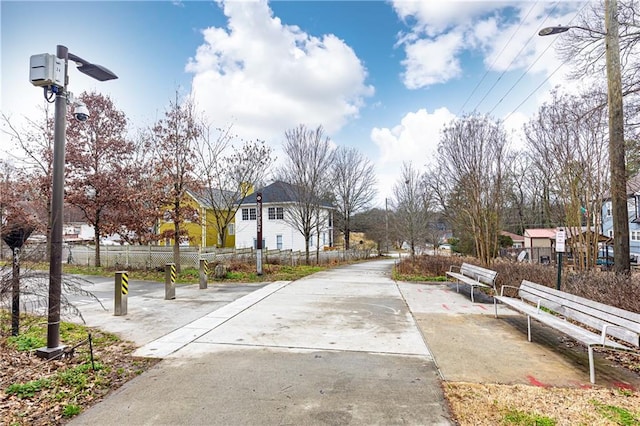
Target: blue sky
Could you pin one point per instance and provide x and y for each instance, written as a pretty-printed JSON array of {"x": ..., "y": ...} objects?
[{"x": 383, "y": 76}]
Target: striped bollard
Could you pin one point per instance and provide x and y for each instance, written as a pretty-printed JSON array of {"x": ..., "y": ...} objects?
[
  {"x": 204, "y": 273},
  {"x": 169, "y": 281},
  {"x": 121, "y": 292}
]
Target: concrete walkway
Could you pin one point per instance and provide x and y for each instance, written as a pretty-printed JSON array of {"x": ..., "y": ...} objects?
[
  {"x": 338, "y": 347},
  {"x": 343, "y": 346}
]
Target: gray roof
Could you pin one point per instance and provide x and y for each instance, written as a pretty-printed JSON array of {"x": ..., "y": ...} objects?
[
  {"x": 278, "y": 192},
  {"x": 203, "y": 196}
]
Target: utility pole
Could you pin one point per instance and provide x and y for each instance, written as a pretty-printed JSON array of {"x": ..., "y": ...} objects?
[{"x": 617, "y": 162}]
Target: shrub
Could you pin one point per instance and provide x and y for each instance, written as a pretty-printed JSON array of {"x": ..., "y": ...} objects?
[{"x": 602, "y": 286}]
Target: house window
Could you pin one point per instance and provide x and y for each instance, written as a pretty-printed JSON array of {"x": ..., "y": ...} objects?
[
  {"x": 255, "y": 243},
  {"x": 635, "y": 235},
  {"x": 231, "y": 229},
  {"x": 279, "y": 242},
  {"x": 276, "y": 213},
  {"x": 610, "y": 233},
  {"x": 607, "y": 207},
  {"x": 249, "y": 213}
]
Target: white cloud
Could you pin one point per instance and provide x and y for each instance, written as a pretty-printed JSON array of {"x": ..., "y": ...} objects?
[
  {"x": 266, "y": 77},
  {"x": 415, "y": 139},
  {"x": 504, "y": 33},
  {"x": 442, "y": 64}
]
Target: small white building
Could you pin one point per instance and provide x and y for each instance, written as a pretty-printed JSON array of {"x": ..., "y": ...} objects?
[{"x": 278, "y": 229}]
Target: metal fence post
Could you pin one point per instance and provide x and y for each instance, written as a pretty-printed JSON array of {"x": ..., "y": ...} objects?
[
  {"x": 121, "y": 292},
  {"x": 204, "y": 272},
  {"x": 169, "y": 281}
]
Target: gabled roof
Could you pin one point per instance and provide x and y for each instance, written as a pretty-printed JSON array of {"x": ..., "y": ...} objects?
[
  {"x": 202, "y": 196},
  {"x": 540, "y": 233},
  {"x": 278, "y": 192},
  {"x": 514, "y": 237}
]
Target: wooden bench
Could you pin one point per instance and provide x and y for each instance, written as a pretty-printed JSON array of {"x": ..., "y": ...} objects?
[
  {"x": 592, "y": 323},
  {"x": 473, "y": 275}
]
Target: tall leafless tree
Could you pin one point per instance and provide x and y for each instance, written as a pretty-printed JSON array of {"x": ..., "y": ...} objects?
[
  {"x": 175, "y": 137},
  {"x": 354, "y": 180},
  {"x": 229, "y": 168},
  {"x": 412, "y": 203},
  {"x": 472, "y": 154},
  {"x": 568, "y": 137},
  {"x": 308, "y": 159}
]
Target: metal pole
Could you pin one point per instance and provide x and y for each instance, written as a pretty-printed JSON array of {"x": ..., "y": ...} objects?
[
  {"x": 559, "y": 270},
  {"x": 204, "y": 272},
  {"x": 57, "y": 209},
  {"x": 169, "y": 281},
  {"x": 259, "y": 233},
  {"x": 120, "y": 293},
  {"x": 15, "y": 300},
  {"x": 617, "y": 163}
]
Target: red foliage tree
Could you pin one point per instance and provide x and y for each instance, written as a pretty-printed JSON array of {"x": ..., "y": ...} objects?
[{"x": 98, "y": 153}]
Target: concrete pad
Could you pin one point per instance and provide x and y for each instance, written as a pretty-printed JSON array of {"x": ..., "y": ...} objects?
[
  {"x": 269, "y": 387},
  {"x": 325, "y": 322}
]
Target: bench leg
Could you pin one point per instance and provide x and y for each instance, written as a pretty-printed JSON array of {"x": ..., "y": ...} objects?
[
  {"x": 592, "y": 369},
  {"x": 457, "y": 284},
  {"x": 529, "y": 327},
  {"x": 495, "y": 306},
  {"x": 472, "y": 294}
]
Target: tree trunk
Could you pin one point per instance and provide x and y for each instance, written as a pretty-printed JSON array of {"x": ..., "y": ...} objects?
[
  {"x": 176, "y": 245},
  {"x": 306, "y": 248},
  {"x": 96, "y": 241}
]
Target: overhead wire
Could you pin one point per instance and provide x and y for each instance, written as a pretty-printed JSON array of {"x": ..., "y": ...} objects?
[
  {"x": 515, "y": 57},
  {"x": 531, "y": 65},
  {"x": 496, "y": 58}
]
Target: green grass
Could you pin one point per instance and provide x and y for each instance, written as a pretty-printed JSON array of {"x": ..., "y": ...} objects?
[
  {"x": 520, "y": 418},
  {"x": 620, "y": 416},
  {"x": 417, "y": 278},
  {"x": 71, "y": 410},
  {"x": 271, "y": 272},
  {"x": 28, "y": 389}
]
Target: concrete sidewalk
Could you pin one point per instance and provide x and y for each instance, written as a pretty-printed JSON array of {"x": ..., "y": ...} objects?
[
  {"x": 338, "y": 347},
  {"x": 343, "y": 346}
]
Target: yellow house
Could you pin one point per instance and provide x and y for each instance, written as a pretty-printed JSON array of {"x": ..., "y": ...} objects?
[{"x": 200, "y": 228}]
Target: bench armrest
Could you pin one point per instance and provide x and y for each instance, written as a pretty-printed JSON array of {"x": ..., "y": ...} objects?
[
  {"x": 506, "y": 286},
  {"x": 454, "y": 268},
  {"x": 605, "y": 333}
]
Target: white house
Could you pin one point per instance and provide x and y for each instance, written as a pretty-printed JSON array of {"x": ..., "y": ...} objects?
[{"x": 278, "y": 231}]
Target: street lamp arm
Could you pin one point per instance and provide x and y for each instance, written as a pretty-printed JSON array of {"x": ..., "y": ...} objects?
[
  {"x": 96, "y": 71},
  {"x": 558, "y": 29}
]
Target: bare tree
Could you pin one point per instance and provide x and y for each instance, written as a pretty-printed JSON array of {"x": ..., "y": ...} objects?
[
  {"x": 309, "y": 156},
  {"x": 472, "y": 155},
  {"x": 175, "y": 137},
  {"x": 568, "y": 136},
  {"x": 353, "y": 177},
  {"x": 230, "y": 168},
  {"x": 412, "y": 203},
  {"x": 34, "y": 156}
]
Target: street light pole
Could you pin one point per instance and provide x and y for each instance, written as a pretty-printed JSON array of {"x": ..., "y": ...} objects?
[
  {"x": 57, "y": 210},
  {"x": 100, "y": 73},
  {"x": 617, "y": 161}
]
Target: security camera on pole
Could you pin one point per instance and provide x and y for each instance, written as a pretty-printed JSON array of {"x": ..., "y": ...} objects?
[{"x": 51, "y": 73}]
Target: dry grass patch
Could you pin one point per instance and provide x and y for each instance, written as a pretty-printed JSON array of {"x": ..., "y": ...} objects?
[{"x": 493, "y": 404}]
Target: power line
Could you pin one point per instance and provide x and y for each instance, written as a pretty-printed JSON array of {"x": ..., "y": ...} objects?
[
  {"x": 514, "y": 59},
  {"x": 530, "y": 66},
  {"x": 496, "y": 58}
]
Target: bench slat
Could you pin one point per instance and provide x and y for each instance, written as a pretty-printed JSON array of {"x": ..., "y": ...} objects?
[
  {"x": 586, "y": 311},
  {"x": 633, "y": 317},
  {"x": 580, "y": 334}
]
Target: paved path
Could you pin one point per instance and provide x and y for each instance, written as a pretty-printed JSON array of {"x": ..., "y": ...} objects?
[
  {"x": 343, "y": 346},
  {"x": 338, "y": 347}
]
